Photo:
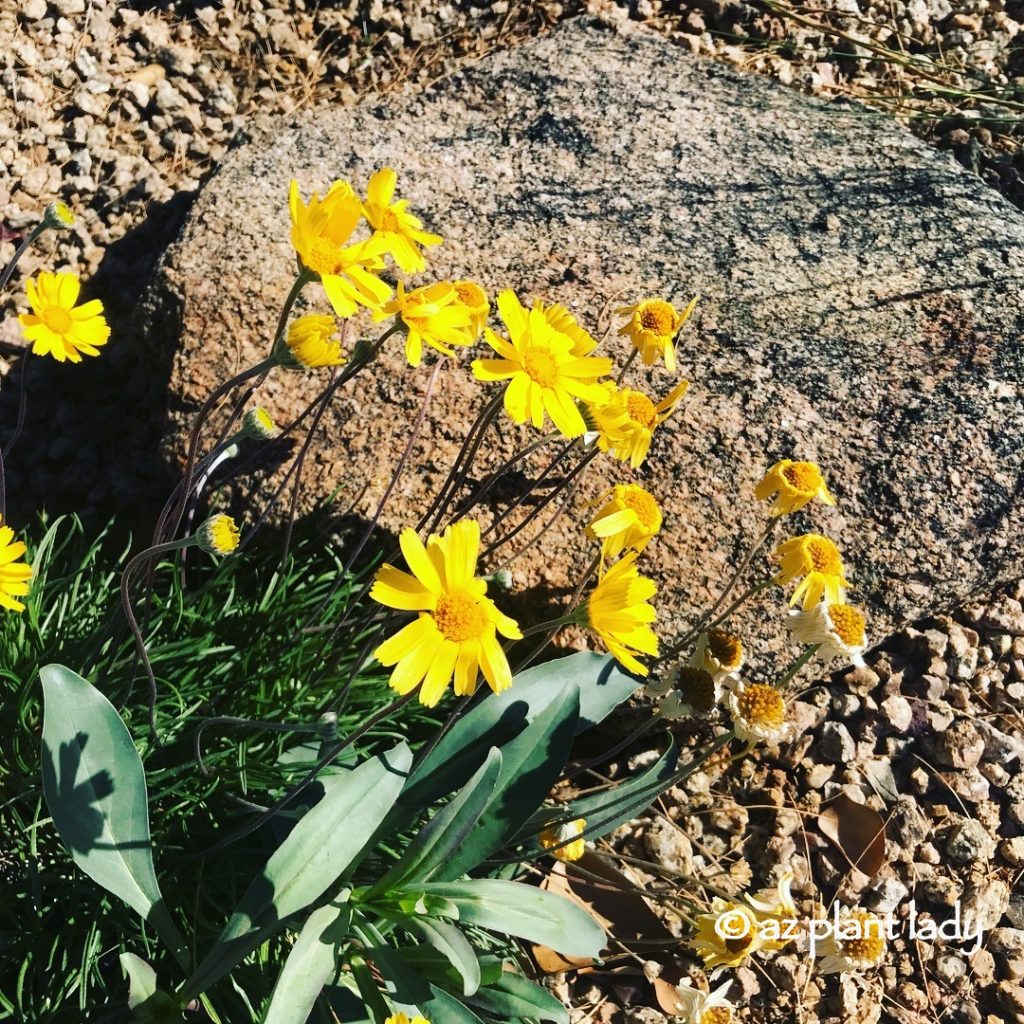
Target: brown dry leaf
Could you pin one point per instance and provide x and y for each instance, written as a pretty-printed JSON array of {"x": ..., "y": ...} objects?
[
  {"x": 668, "y": 1001},
  {"x": 857, "y": 831}
]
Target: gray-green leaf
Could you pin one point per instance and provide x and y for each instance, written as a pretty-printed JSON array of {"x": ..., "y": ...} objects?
[{"x": 95, "y": 789}]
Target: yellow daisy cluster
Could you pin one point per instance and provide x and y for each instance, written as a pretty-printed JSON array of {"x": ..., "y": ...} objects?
[
  {"x": 824, "y": 619},
  {"x": 324, "y": 234}
]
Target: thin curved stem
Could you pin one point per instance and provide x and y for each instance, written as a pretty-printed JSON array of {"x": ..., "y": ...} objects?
[{"x": 140, "y": 642}]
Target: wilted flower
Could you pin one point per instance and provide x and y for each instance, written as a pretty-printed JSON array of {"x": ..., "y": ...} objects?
[
  {"x": 794, "y": 484},
  {"x": 697, "y": 1007},
  {"x": 619, "y": 613},
  {"x": 695, "y": 692},
  {"x": 818, "y": 560},
  {"x": 311, "y": 342},
  {"x": 857, "y": 942},
  {"x": 625, "y": 420},
  {"x": 321, "y": 234},
  {"x": 777, "y": 902},
  {"x": 14, "y": 575},
  {"x": 728, "y": 935},
  {"x": 758, "y": 711},
  {"x": 557, "y": 835},
  {"x": 218, "y": 535},
  {"x": 56, "y": 326},
  {"x": 543, "y": 373},
  {"x": 259, "y": 425},
  {"x": 431, "y": 314},
  {"x": 399, "y": 230},
  {"x": 837, "y": 629},
  {"x": 629, "y": 518},
  {"x": 718, "y": 652},
  {"x": 652, "y": 327},
  {"x": 456, "y": 631}
]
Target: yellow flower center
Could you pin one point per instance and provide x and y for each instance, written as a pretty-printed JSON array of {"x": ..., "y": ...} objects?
[
  {"x": 697, "y": 688},
  {"x": 725, "y": 648},
  {"x": 717, "y": 1015},
  {"x": 847, "y": 624},
  {"x": 459, "y": 617},
  {"x": 640, "y": 409},
  {"x": 322, "y": 257},
  {"x": 866, "y": 940},
  {"x": 761, "y": 704},
  {"x": 824, "y": 556},
  {"x": 388, "y": 221},
  {"x": 57, "y": 319},
  {"x": 646, "y": 508},
  {"x": 803, "y": 477},
  {"x": 658, "y": 317},
  {"x": 541, "y": 367}
]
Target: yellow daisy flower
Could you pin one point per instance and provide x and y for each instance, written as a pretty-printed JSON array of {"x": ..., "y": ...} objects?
[
  {"x": 625, "y": 420},
  {"x": 794, "y": 484},
  {"x": 543, "y": 373},
  {"x": 628, "y": 519},
  {"x": 431, "y": 314},
  {"x": 728, "y": 935},
  {"x": 474, "y": 298},
  {"x": 56, "y": 326},
  {"x": 456, "y": 631},
  {"x": 652, "y": 327},
  {"x": 402, "y": 1018},
  {"x": 619, "y": 613},
  {"x": 311, "y": 342},
  {"x": 856, "y": 943},
  {"x": 838, "y": 629},
  {"x": 218, "y": 535},
  {"x": 321, "y": 235},
  {"x": 400, "y": 232},
  {"x": 14, "y": 575},
  {"x": 818, "y": 560},
  {"x": 758, "y": 711},
  {"x": 562, "y": 321},
  {"x": 558, "y": 834}
]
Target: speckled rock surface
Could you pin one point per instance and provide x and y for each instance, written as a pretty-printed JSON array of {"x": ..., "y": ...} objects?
[{"x": 861, "y": 303}]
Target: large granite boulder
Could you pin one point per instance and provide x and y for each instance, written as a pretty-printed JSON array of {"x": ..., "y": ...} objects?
[{"x": 861, "y": 303}]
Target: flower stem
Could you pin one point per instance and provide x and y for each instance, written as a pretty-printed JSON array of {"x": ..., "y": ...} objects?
[{"x": 795, "y": 666}]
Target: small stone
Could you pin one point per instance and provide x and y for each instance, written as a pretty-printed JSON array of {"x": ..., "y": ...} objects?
[
  {"x": 941, "y": 890},
  {"x": 1007, "y": 941},
  {"x": 837, "y": 744},
  {"x": 898, "y": 712},
  {"x": 1012, "y": 851},
  {"x": 968, "y": 842},
  {"x": 984, "y": 904},
  {"x": 884, "y": 895},
  {"x": 669, "y": 846},
  {"x": 33, "y": 10},
  {"x": 1012, "y": 998},
  {"x": 960, "y": 746},
  {"x": 949, "y": 969}
]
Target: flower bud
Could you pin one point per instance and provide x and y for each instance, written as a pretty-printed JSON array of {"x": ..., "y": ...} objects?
[
  {"x": 218, "y": 535},
  {"x": 58, "y": 217},
  {"x": 259, "y": 425}
]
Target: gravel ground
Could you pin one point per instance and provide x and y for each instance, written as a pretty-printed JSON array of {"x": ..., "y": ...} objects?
[{"x": 930, "y": 735}]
